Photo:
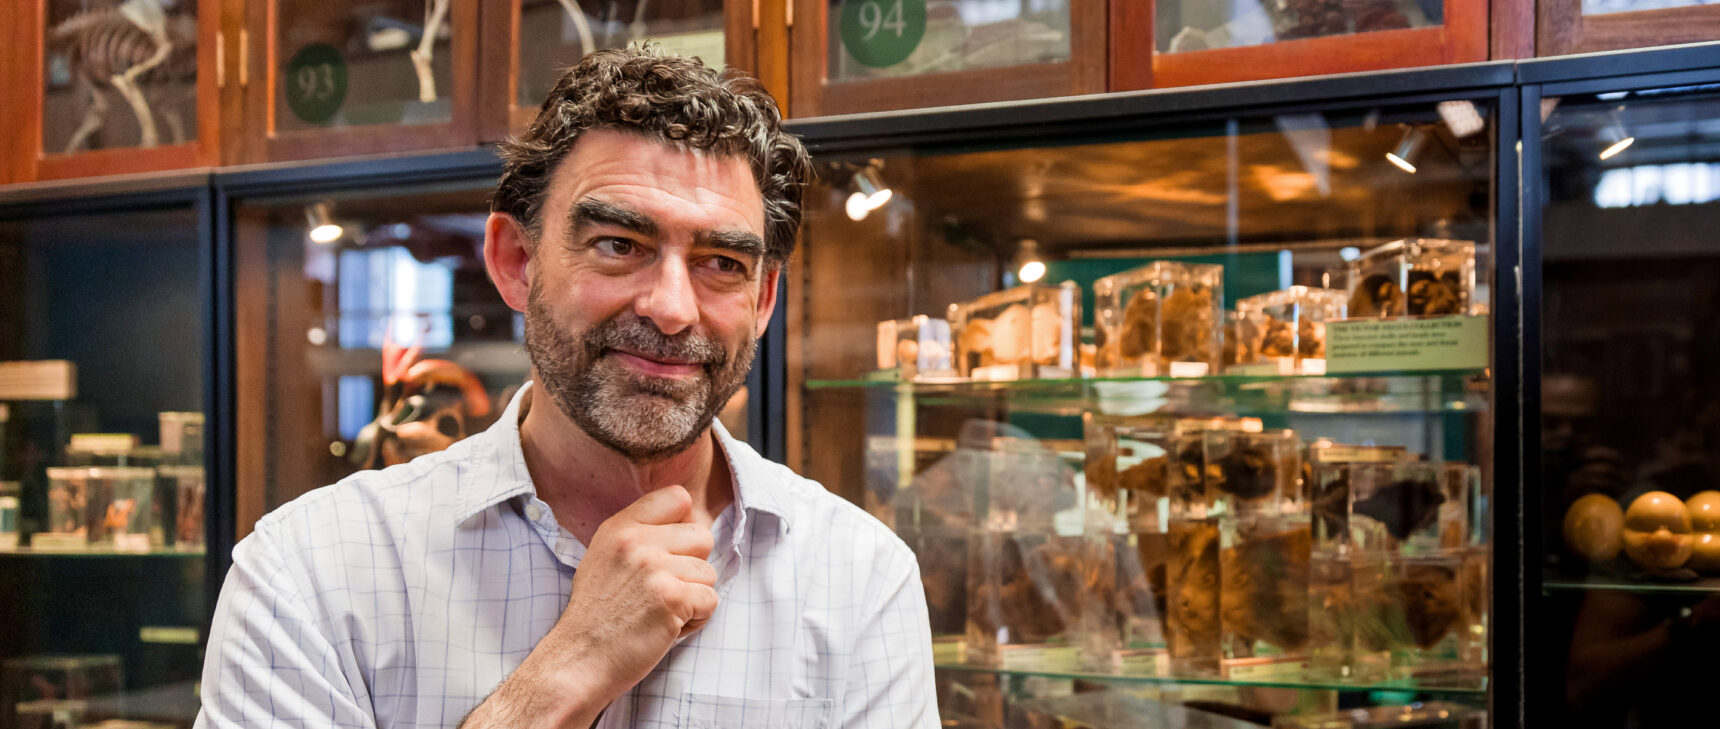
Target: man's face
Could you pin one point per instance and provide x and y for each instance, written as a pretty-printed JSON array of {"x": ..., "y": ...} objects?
[{"x": 648, "y": 290}]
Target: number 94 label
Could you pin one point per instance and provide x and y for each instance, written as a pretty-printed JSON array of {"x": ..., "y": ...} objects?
[{"x": 882, "y": 33}]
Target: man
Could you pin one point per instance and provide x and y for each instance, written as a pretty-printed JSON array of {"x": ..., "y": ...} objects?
[{"x": 606, "y": 553}]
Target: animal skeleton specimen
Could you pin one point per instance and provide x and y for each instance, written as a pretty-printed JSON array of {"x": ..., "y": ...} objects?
[
  {"x": 131, "y": 47},
  {"x": 582, "y": 26},
  {"x": 435, "y": 12}
]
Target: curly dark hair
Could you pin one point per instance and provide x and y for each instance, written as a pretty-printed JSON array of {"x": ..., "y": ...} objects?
[{"x": 674, "y": 99}]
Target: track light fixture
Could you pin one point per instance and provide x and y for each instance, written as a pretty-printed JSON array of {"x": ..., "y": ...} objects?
[
  {"x": 323, "y": 229},
  {"x": 870, "y": 192},
  {"x": 1029, "y": 266},
  {"x": 1408, "y": 148},
  {"x": 1615, "y": 137}
]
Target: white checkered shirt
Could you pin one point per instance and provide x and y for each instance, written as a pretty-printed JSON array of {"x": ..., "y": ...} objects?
[{"x": 402, "y": 598}]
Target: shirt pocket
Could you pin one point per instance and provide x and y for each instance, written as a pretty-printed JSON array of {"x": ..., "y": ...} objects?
[{"x": 705, "y": 711}]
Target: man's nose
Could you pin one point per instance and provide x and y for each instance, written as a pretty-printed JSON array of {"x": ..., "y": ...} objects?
[{"x": 669, "y": 300}]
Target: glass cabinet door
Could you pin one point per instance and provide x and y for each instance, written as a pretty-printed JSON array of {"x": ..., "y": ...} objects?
[
  {"x": 1191, "y": 423},
  {"x": 370, "y": 334},
  {"x": 1589, "y": 26},
  {"x": 102, "y": 466},
  {"x": 1188, "y": 42},
  {"x": 1628, "y": 613},
  {"x": 877, "y": 55},
  {"x": 332, "y": 79},
  {"x": 114, "y": 87},
  {"x": 541, "y": 38}
]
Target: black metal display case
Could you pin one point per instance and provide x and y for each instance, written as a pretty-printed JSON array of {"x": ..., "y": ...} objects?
[
  {"x": 107, "y": 605},
  {"x": 1277, "y": 185}
]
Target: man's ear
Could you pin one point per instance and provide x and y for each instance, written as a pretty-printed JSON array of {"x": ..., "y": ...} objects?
[
  {"x": 767, "y": 297},
  {"x": 507, "y": 255}
]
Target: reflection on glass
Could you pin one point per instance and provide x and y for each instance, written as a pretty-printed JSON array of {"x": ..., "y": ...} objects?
[
  {"x": 888, "y": 38},
  {"x": 119, "y": 74},
  {"x": 385, "y": 62},
  {"x": 1198, "y": 25},
  {"x": 1601, "y": 7},
  {"x": 101, "y": 468},
  {"x": 1629, "y": 408},
  {"x": 555, "y": 34},
  {"x": 383, "y": 343}
]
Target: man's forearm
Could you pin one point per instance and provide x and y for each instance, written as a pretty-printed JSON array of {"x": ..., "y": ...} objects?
[{"x": 527, "y": 699}]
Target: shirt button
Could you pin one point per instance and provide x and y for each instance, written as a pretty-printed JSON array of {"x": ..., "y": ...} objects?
[{"x": 534, "y": 512}]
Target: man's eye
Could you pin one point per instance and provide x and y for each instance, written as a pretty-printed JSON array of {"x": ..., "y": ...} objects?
[
  {"x": 728, "y": 265},
  {"x": 615, "y": 246}
]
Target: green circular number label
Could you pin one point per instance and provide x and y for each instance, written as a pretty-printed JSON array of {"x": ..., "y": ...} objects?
[
  {"x": 882, "y": 33},
  {"x": 316, "y": 82}
]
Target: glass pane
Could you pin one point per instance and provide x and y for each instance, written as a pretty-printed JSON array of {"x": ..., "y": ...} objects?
[
  {"x": 888, "y": 38},
  {"x": 101, "y": 468},
  {"x": 1601, "y": 7},
  {"x": 339, "y": 65},
  {"x": 1628, "y": 407},
  {"x": 119, "y": 75},
  {"x": 1197, "y": 25},
  {"x": 555, "y": 34},
  {"x": 379, "y": 337},
  {"x": 1118, "y": 397}
]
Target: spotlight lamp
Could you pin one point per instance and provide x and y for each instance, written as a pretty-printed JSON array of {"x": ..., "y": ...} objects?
[
  {"x": 1408, "y": 148},
  {"x": 1615, "y": 137},
  {"x": 321, "y": 223},
  {"x": 1029, "y": 266},
  {"x": 870, "y": 192}
]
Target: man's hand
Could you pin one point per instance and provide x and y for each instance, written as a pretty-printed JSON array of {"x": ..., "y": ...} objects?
[{"x": 643, "y": 583}]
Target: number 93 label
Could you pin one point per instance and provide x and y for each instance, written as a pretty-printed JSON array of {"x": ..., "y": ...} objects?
[
  {"x": 315, "y": 82},
  {"x": 882, "y": 33}
]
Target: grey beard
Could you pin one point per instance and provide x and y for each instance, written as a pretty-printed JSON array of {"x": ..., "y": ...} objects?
[{"x": 643, "y": 418}]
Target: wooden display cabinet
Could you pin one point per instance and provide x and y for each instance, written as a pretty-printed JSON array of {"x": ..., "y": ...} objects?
[
  {"x": 947, "y": 57},
  {"x": 1576, "y": 26},
  {"x": 527, "y": 43},
  {"x": 69, "y": 114},
  {"x": 8, "y": 114},
  {"x": 329, "y": 79},
  {"x": 1189, "y": 42}
]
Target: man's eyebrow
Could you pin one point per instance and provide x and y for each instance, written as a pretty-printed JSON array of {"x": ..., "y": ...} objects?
[
  {"x": 736, "y": 241},
  {"x": 592, "y": 211}
]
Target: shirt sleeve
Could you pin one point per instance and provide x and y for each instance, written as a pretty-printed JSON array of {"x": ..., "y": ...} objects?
[
  {"x": 268, "y": 663},
  {"x": 890, "y": 683}
]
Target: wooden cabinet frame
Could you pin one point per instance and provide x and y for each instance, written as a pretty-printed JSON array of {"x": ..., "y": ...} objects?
[
  {"x": 9, "y": 113},
  {"x": 260, "y": 36},
  {"x": 26, "y": 92},
  {"x": 812, "y": 94},
  {"x": 498, "y": 64},
  {"x": 1135, "y": 63},
  {"x": 1562, "y": 28}
]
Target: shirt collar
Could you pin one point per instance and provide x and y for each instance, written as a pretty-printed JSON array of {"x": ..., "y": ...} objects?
[
  {"x": 755, "y": 489},
  {"x": 499, "y": 449},
  {"x": 501, "y": 464}
]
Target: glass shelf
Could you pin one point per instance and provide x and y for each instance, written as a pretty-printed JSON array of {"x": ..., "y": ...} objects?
[
  {"x": 1449, "y": 685},
  {"x": 99, "y": 552},
  {"x": 1444, "y": 391},
  {"x": 1622, "y": 583},
  {"x": 484, "y": 357}
]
